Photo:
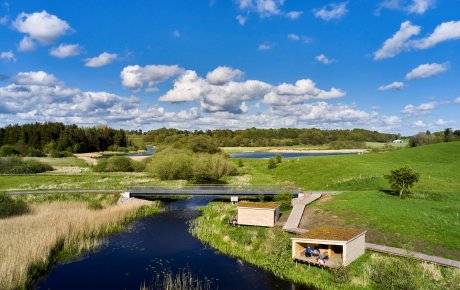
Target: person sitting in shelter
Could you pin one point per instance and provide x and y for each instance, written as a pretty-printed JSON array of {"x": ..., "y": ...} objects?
[
  {"x": 323, "y": 256},
  {"x": 308, "y": 251},
  {"x": 315, "y": 252},
  {"x": 321, "y": 262}
]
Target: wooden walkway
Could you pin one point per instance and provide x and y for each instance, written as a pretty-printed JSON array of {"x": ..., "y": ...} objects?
[
  {"x": 415, "y": 255},
  {"x": 295, "y": 216}
]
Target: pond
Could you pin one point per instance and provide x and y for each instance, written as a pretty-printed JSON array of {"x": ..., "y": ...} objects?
[
  {"x": 153, "y": 245},
  {"x": 149, "y": 150}
]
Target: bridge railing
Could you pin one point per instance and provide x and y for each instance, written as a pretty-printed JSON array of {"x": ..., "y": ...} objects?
[{"x": 211, "y": 189}]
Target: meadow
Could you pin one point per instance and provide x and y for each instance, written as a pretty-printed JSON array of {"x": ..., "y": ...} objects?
[
  {"x": 56, "y": 230},
  {"x": 270, "y": 249}
]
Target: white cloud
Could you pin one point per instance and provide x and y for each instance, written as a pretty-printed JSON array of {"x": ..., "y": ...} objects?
[
  {"x": 36, "y": 78},
  {"x": 323, "y": 59},
  {"x": 420, "y": 124},
  {"x": 26, "y": 44},
  {"x": 398, "y": 42},
  {"x": 391, "y": 121},
  {"x": 264, "y": 46},
  {"x": 402, "y": 41},
  {"x": 101, "y": 60},
  {"x": 41, "y": 26},
  {"x": 442, "y": 122},
  {"x": 241, "y": 19},
  {"x": 265, "y": 8},
  {"x": 294, "y": 14},
  {"x": 421, "y": 109},
  {"x": 66, "y": 50},
  {"x": 136, "y": 77},
  {"x": 293, "y": 37},
  {"x": 457, "y": 100},
  {"x": 443, "y": 32},
  {"x": 427, "y": 70},
  {"x": 420, "y": 6},
  {"x": 303, "y": 90},
  {"x": 333, "y": 11},
  {"x": 8, "y": 55},
  {"x": 176, "y": 33},
  {"x": 392, "y": 86},
  {"x": 223, "y": 74}
]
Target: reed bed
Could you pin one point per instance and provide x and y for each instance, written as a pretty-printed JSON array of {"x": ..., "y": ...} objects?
[
  {"x": 183, "y": 280},
  {"x": 30, "y": 243}
]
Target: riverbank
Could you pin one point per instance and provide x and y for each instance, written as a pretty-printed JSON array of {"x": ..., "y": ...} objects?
[
  {"x": 31, "y": 243},
  {"x": 270, "y": 249}
]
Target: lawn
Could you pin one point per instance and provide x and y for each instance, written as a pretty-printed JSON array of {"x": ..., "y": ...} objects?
[{"x": 438, "y": 165}]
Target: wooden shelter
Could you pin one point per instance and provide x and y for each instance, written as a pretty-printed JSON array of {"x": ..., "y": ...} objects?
[
  {"x": 342, "y": 246},
  {"x": 264, "y": 214}
]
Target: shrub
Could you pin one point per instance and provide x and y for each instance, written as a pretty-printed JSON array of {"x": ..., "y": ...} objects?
[
  {"x": 171, "y": 164},
  {"x": 240, "y": 163},
  {"x": 8, "y": 150},
  {"x": 278, "y": 158},
  {"x": 10, "y": 207},
  {"x": 347, "y": 145},
  {"x": 402, "y": 179},
  {"x": 285, "y": 199},
  {"x": 118, "y": 164},
  {"x": 60, "y": 154},
  {"x": 101, "y": 165},
  {"x": 36, "y": 153},
  {"x": 15, "y": 165},
  {"x": 137, "y": 166},
  {"x": 271, "y": 163}
]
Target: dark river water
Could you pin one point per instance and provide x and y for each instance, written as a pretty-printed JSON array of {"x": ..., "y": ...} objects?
[{"x": 153, "y": 245}]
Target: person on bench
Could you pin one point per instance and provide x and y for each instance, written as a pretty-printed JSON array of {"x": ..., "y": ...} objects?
[{"x": 308, "y": 251}]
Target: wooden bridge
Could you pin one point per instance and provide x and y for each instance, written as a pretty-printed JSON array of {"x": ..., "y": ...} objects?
[{"x": 209, "y": 190}]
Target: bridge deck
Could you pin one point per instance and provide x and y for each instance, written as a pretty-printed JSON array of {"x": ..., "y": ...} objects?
[{"x": 222, "y": 190}]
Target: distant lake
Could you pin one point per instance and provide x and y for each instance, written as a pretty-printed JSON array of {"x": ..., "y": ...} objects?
[
  {"x": 284, "y": 155},
  {"x": 149, "y": 152}
]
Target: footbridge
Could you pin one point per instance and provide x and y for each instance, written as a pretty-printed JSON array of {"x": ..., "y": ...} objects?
[{"x": 208, "y": 190}]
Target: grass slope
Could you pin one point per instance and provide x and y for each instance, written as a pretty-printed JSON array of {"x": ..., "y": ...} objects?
[{"x": 438, "y": 165}]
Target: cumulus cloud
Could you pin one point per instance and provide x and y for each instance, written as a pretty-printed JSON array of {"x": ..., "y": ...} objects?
[
  {"x": 264, "y": 46},
  {"x": 420, "y": 124},
  {"x": 26, "y": 44},
  {"x": 41, "y": 26},
  {"x": 8, "y": 55},
  {"x": 135, "y": 77},
  {"x": 303, "y": 90},
  {"x": 443, "y": 32},
  {"x": 294, "y": 14},
  {"x": 391, "y": 121},
  {"x": 323, "y": 59},
  {"x": 411, "y": 6},
  {"x": 427, "y": 70},
  {"x": 223, "y": 74},
  {"x": 333, "y": 11},
  {"x": 442, "y": 122},
  {"x": 103, "y": 59},
  {"x": 392, "y": 86},
  {"x": 241, "y": 19},
  {"x": 296, "y": 37},
  {"x": 36, "y": 78},
  {"x": 421, "y": 109},
  {"x": 401, "y": 40},
  {"x": 398, "y": 42},
  {"x": 66, "y": 50},
  {"x": 265, "y": 8}
]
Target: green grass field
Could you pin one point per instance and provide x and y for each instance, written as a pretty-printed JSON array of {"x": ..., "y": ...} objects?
[
  {"x": 438, "y": 165},
  {"x": 62, "y": 162}
]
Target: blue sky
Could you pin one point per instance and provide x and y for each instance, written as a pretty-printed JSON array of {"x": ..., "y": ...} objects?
[{"x": 390, "y": 65}]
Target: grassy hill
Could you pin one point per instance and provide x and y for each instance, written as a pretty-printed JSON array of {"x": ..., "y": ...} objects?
[{"x": 438, "y": 165}]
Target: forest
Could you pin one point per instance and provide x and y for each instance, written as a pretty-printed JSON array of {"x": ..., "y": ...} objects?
[{"x": 40, "y": 138}]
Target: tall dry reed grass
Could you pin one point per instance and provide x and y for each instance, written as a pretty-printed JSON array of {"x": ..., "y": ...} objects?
[{"x": 28, "y": 242}]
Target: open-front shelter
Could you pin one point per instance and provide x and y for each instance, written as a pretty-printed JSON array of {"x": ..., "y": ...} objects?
[
  {"x": 342, "y": 246},
  {"x": 264, "y": 214}
]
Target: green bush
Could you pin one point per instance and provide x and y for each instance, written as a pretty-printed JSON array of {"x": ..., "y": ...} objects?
[
  {"x": 10, "y": 207},
  {"x": 60, "y": 154},
  {"x": 8, "y": 150},
  {"x": 278, "y": 158},
  {"x": 101, "y": 165},
  {"x": 271, "y": 163},
  {"x": 95, "y": 205},
  {"x": 284, "y": 199},
  {"x": 118, "y": 164},
  {"x": 16, "y": 165},
  {"x": 138, "y": 166},
  {"x": 347, "y": 145}
]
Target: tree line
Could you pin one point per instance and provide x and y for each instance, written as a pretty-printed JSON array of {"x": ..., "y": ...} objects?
[
  {"x": 423, "y": 138},
  {"x": 57, "y": 137},
  {"x": 268, "y": 137}
]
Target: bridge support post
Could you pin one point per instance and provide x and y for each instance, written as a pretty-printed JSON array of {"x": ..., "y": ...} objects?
[
  {"x": 126, "y": 194},
  {"x": 234, "y": 199}
]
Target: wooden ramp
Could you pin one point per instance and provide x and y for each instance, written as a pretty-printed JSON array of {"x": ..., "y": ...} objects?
[
  {"x": 415, "y": 255},
  {"x": 294, "y": 218}
]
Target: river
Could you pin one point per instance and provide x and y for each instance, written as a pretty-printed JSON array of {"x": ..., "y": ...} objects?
[{"x": 155, "y": 244}]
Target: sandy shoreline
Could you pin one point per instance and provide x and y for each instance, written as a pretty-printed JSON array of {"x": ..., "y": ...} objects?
[{"x": 91, "y": 157}]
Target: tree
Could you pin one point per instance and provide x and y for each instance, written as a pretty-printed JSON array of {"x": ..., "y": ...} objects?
[
  {"x": 402, "y": 179},
  {"x": 278, "y": 158},
  {"x": 271, "y": 163}
]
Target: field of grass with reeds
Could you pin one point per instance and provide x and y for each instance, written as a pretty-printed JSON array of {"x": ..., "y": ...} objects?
[
  {"x": 270, "y": 249},
  {"x": 30, "y": 243}
]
